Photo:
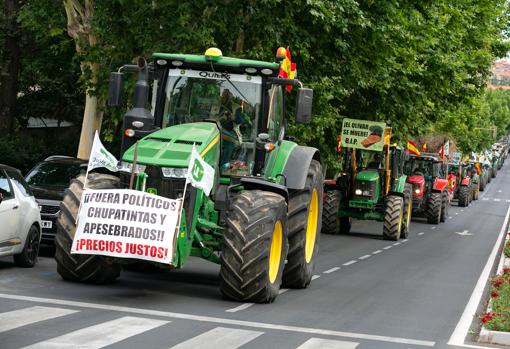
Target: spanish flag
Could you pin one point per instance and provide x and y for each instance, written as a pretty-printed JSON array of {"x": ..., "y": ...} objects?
[
  {"x": 412, "y": 148},
  {"x": 287, "y": 68},
  {"x": 478, "y": 168}
]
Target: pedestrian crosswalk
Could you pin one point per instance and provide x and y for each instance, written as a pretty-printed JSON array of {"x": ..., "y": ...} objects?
[{"x": 124, "y": 328}]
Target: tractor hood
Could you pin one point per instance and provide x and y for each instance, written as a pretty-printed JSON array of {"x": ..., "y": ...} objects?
[
  {"x": 367, "y": 175},
  {"x": 415, "y": 179},
  {"x": 171, "y": 147}
]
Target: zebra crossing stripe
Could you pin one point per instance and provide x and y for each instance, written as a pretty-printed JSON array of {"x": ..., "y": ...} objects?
[
  {"x": 26, "y": 316},
  {"x": 219, "y": 337},
  {"x": 319, "y": 343},
  {"x": 101, "y": 335}
]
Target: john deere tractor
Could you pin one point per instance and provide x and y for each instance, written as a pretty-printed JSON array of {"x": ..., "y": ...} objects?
[
  {"x": 372, "y": 185},
  {"x": 260, "y": 222}
]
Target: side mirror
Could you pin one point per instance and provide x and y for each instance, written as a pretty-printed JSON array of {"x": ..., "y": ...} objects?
[
  {"x": 304, "y": 105},
  {"x": 115, "y": 89}
]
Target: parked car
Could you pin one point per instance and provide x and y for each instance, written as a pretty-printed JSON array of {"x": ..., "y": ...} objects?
[
  {"x": 20, "y": 219},
  {"x": 48, "y": 180}
]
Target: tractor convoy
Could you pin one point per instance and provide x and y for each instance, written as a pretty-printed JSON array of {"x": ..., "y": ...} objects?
[{"x": 269, "y": 201}]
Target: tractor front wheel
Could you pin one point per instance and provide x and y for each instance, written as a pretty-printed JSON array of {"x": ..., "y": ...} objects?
[
  {"x": 305, "y": 222},
  {"x": 80, "y": 267},
  {"x": 393, "y": 217},
  {"x": 444, "y": 206},
  {"x": 464, "y": 195},
  {"x": 331, "y": 223},
  {"x": 254, "y": 247},
  {"x": 408, "y": 209},
  {"x": 434, "y": 208}
]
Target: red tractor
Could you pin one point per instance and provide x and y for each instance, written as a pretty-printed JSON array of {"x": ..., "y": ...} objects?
[{"x": 431, "y": 198}]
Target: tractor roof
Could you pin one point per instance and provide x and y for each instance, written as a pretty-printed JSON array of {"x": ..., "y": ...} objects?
[{"x": 234, "y": 65}]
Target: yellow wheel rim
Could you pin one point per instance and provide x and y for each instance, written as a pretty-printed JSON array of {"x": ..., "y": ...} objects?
[
  {"x": 409, "y": 209},
  {"x": 311, "y": 226},
  {"x": 275, "y": 253}
]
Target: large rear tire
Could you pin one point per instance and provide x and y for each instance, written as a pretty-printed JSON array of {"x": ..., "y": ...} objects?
[
  {"x": 305, "y": 223},
  {"x": 444, "y": 206},
  {"x": 476, "y": 191},
  {"x": 393, "y": 217},
  {"x": 254, "y": 247},
  {"x": 434, "y": 208},
  {"x": 464, "y": 195},
  {"x": 408, "y": 210},
  {"x": 77, "y": 267},
  {"x": 331, "y": 223}
]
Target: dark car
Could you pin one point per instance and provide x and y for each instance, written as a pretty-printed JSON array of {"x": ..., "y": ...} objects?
[{"x": 48, "y": 180}]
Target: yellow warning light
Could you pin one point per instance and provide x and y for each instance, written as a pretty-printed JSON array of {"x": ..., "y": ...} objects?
[{"x": 213, "y": 54}]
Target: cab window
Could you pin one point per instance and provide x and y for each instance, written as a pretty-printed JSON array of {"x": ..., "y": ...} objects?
[
  {"x": 275, "y": 115},
  {"x": 5, "y": 187}
]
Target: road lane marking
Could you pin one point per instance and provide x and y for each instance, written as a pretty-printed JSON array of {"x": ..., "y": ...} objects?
[
  {"x": 218, "y": 320},
  {"x": 404, "y": 240},
  {"x": 433, "y": 228},
  {"x": 456, "y": 213},
  {"x": 485, "y": 199},
  {"x": 101, "y": 335},
  {"x": 365, "y": 256},
  {"x": 421, "y": 233},
  {"x": 332, "y": 270},
  {"x": 396, "y": 244},
  {"x": 220, "y": 337},
  {"x": 239, "y": 308},
  {"x": 462, "y": 328},
  {"x": 507, "y": 200},
  {"x": 26, "y": 316},
  {"x": 315, "y": 277},
  {"x": 377, "y": 252},
  {"x": 450, "y": 217},
  {"x": 461, "y": 210},
  {"x": 387, "y": 247},
  {"x": 497, "y": 200},
  {"x": 320, "y": 343},
  {"x": 283, "y": 290},
  {"x": 349, "y": 263},
  {"x": 499, "y": 191}
]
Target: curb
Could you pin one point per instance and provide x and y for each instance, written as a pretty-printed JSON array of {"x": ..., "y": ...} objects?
[{"x": 490, "y": 336}]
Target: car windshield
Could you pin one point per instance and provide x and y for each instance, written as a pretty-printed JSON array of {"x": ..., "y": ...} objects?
[
  {"x": 418, "y": 167},
  {"x": 48, "y": 174},
  {"x": 231, "y": 100}
]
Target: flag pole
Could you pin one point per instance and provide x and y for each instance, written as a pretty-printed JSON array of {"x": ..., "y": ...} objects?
[{"x": 133, "y": 169}]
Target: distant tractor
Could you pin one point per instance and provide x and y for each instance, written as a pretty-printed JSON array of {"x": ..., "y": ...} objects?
[
  {"x": 427, "y": 174},
  {"x": 462, "y": 191},
  {"x": 262, "y": 219},
  {"x": 371, "y": 185}
]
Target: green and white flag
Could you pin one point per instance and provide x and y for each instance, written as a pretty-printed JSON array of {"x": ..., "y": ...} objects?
[
  {"x": 200, "y": 173},
  {"x": 100, "y": 157}
]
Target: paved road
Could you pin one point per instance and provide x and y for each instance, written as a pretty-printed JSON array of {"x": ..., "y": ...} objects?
[{"x": 367, "y": 293}]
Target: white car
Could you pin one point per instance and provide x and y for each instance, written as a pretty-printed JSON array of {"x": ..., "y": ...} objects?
[{"x": 20, "y": 219}]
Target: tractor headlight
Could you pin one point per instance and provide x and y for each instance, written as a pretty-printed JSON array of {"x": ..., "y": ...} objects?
[
  {"x": 358, "y": 192},
  {"x": 128, "y": 167},
  {"x": 366, "y": 193},
  {"x": 417, "y": 190},
  {"x": 174, "y": 172}
]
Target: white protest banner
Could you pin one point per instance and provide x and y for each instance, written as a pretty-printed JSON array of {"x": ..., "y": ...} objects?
[
  {"x": 100, "y": 157},
  {"x": 200, "y": 173},
  {"x": 127, "y": 223}
]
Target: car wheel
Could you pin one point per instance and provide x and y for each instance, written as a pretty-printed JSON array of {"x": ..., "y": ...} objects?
[{"x": 28, "y": 257}]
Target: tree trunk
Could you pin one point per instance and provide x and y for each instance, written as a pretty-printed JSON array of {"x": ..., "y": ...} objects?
[{"x": 10, "y": 67}]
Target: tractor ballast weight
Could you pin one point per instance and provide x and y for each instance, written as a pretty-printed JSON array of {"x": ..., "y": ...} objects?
[
  {"x": 262, "y": 219},
  {"x": 371, "y": 185}
]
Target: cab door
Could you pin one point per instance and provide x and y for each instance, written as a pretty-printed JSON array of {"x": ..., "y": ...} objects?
[{"x": 9, "y": 211}]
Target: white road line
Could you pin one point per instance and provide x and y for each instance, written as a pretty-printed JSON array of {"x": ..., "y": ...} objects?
[
  {"x": 320, "y": 343},
  {"x": 396, "y": 244},
  {"x": 220, "y": 337},
  {"x": 485, "y": 199},
  {"x": 26, "y": 316},
  {"x": 432, "y": 228},
  {"x": 462, "y": 328},
  {"x": 404, "y": 240},
  {"x": 461, "y": 210},
  {"x": 101, "y": 335},
  {"x": 499, "y": 191},
  {"x": 497, "y": 200},
  {"x": 315, "y": 277},
  {"x": 421, "y": 233},
  {"x": 239, "y": 308},
  {"x": 283, "y": 290},
  {"x": 218, "y": 320},
  {"x": 377, "y": 252},
  {"x": 332, "y": 270},
  {"x": 456, "y": 213},
  {"x": 507, "y": 200},
  {"x": 387, "y": 247},
  {"x": 349, "y": 263},
  {"x": 365, "y": 256},
  {"x": 450, "y": 217}
]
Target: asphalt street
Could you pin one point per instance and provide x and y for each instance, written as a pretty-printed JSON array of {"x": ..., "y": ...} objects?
[{"x": 367, "y": 293}]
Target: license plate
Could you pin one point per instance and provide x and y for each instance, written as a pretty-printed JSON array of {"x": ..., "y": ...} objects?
[{"x": 47, "y": 224}]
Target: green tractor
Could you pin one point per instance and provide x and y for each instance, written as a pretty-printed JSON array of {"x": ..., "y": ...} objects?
[
  {"x": 372, "y": 185},
  {"x": 262, "y": 219}
]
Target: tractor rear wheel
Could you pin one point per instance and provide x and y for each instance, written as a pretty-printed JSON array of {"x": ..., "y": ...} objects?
[
  {"x": 408, "y": 209},
  {"x": 464, "y": 195},
  {"x": 483, "y": 183},
  {"x": 331, "y": 223},
  {"x": 93, "y": 269},
  {"x": 444, "y": 206},
  {"x": 476, "y": 191},
  {"x": 393, "y": 217},
  {"x": 254, "y": 247},
  {"x": 434, "y": 208},
  {"x": 305, "y": 222}
]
